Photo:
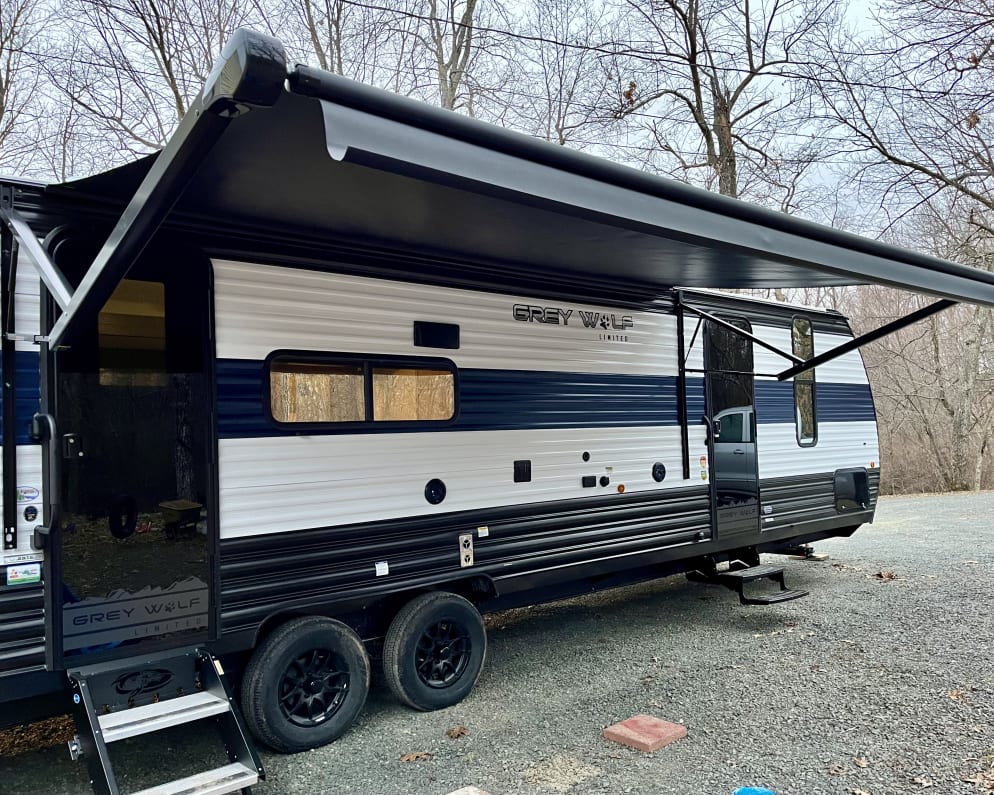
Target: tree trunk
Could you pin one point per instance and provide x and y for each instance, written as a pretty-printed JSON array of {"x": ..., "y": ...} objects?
[{"x": 725, "y": 165}]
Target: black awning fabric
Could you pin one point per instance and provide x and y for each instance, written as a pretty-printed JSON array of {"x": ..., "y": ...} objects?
[{"x": 336, "y": 160}]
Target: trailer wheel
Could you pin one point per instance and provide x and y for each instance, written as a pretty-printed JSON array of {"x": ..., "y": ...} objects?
[
  {"x": 305, "y": 684},
  {"x": 123, "y": 516},
  {"x": 434, "y": 651}
]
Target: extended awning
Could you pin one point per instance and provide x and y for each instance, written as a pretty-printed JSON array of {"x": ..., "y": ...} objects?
[{"x": 330, "y": 159}]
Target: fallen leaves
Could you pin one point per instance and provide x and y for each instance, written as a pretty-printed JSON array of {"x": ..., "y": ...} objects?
[
  {"x": 960, "y": 695},
  {"x": 885, "y": 575},
  {"x": 560, "y": 773},
  {"x": 416, "y": 756},
  {"x": 983, "y": 779},
  {"x": 46, "y": 733},
  {"x": 456, "y": 732},
  {"x": 843, "y": 769}
]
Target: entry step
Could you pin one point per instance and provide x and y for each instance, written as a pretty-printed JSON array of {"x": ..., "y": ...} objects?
[
  {"x": 774, "y": 598},
  {"x": 131, "y": 722},
  {"x": 221, "y": 780},
  {"x": 145, "y": 694},
  {"x": 736, "y": 580},
  {"x": 752, "y": 573}
]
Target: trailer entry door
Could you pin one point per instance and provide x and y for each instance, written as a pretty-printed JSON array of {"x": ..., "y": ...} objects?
[
  {"x": 731, "y": 411},
  {"x": 133, "y": 427}
]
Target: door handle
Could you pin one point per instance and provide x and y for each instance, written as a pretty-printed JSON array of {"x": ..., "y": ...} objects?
[
  {"x": 738, "y": 452},
  {"x": 44, "y": 429},
  {"x": 713, "y": 428}
]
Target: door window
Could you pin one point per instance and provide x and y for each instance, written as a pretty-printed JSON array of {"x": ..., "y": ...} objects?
[
  {"x": 132, "y": 335},
  {"x": 805, "y": 419},
  {"x": 730, "y": 390}
]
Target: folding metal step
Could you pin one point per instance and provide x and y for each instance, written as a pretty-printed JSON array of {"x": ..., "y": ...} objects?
[
  {"x": 750, "y": 574},
  {"x": 773, "y": 598},
  {"x": 153, "y": 717},
  {"x": 145, "y": 694},
  {"x": 229, "y": 778},
  {"x": 736, "y": 580}
]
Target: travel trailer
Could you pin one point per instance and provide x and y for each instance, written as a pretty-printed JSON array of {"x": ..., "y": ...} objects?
[{"x": 336, "y": 372}]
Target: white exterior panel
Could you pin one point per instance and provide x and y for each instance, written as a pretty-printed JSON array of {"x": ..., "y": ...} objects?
[
  {"x": 282, "y": 482},
  {"x": 840, "y": 445},
  {"x": 278, "y": 484},
  {"x": 262, "y": 308},
  {"x": 29, "y": 477},
  {"x": 846, "y": 369},
  {"x": 29, "y": 493}
]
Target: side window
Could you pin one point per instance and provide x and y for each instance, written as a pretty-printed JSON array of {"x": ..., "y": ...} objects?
[
  {"x": 312, "y": 392},
  {"x": 316, "y": 391},
  {"x": 407, "y": 393},
  {"x": 803, "y": 345}
]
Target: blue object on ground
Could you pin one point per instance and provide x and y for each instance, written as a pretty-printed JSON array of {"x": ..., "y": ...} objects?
[{"x": 753, "y": 791}]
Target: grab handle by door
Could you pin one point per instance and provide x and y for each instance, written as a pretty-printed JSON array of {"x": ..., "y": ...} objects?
[
  {"x": 43, "y": 429},
  {"x": 713, "y": 427}
]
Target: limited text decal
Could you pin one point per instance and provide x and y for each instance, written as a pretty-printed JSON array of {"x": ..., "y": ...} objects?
[{"x": 124, "y": 616}]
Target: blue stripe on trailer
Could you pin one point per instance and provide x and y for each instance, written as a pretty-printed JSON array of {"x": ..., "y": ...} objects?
[
  {"x": 28, "y": 394},
  {"x": 487, "y": 400},
  {"x": 696, "y": 401},
  {"x": 834, "y": 402},
  {"x": 503, "y": 399},
  {"x": 519, "y": 399}
]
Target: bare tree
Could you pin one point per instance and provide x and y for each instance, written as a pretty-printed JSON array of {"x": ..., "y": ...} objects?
[
  {"x": 371, "y": 43},
  {"x": 134, "y": 66},
  {"x": 566, "y": 82},
  {"x": 715, "y": 86},
  {"x": 449, "y": 37},
  {"x": 911, "y": 102},
  {"x": 461, "y": 55},
  {"x": 20, "y": 30},
  {"x": 932, "y": 382},
  {"x": 914, "y": 102}
]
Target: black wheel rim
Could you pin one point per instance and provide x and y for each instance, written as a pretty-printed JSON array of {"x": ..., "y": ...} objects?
[
  {"x": 313, "y": 687},
  {"x": 443, "y": 653}
]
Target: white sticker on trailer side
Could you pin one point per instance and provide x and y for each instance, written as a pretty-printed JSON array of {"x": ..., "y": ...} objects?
[{"x": 29, "y": 504}]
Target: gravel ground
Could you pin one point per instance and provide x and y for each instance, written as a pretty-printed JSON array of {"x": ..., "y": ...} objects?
[{"x": 870, "y": 686}]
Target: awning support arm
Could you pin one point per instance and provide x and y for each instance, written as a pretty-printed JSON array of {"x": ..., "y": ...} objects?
[
  {"x": 47, "y": 270},
  {"x": 870, "y": 336},
  {"x": 743, "y": 333},
  {"x": 251, "y": 72}
]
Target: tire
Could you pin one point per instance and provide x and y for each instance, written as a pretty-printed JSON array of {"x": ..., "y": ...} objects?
[
  {"x": 434, "y": 651},
  {"x": 123, "y": 516},
  {"x": 305, "y": 684}
]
